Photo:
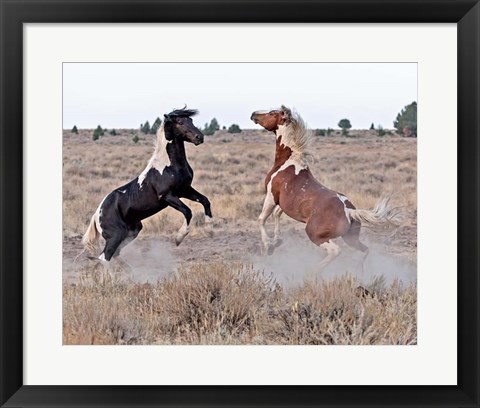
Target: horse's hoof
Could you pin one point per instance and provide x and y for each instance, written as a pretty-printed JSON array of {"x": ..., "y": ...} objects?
[
  {"x": 209, "y": 225},
  {"x": 270, "y": 250},
  {"x": 277, "y": 243},
  {"x": 178, "y": 241}
]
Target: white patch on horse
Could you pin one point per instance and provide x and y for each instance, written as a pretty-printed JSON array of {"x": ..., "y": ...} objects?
[
  {"x": 160, "y": 158},
  {"x": 342, "y": 198},
  {"x": 98, "y": 215},
  {"x": 269, "y": 200},
  {"x": 261, "y": 111},
  {"x": 291, "y": 162},
  {"x": 102, "y": 257},
  {"x": 123, "y": 192}
]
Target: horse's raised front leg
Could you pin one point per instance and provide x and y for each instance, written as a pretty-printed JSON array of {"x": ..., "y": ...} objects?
[
  {"x": 194, "y": 195},
  {"x": 174, "y": 202},
  {"x": 268, "y": 206}
]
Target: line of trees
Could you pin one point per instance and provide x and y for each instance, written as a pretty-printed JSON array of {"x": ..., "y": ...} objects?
[
  {"x": 147, "y": 129},
  {"x": 210, "y": 128},
  {"x": 405, "y": 124},
  {"x": 98, "y": 132}
]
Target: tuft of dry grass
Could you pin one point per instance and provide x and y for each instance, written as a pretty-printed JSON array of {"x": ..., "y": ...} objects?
[
  {"x": 342, "y": 312},
  {"x": 225, "y": 303},
  {"x": 215, "y": 299}
]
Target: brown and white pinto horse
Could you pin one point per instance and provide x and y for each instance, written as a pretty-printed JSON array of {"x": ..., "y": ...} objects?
[{"x": 291, "y": 188}]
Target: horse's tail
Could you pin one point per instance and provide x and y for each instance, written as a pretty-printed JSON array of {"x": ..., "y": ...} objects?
[
  {"x": 383, "y": 215},
  {"x": 91, "y": 236}
]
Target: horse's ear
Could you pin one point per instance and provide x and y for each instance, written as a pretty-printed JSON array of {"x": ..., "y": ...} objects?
[
  {"x": 167, "y": 125},
  {"x": 167, "y": 120}
]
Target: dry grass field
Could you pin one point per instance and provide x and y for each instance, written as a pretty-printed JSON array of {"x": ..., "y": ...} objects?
[{"x": 223, "y": 289}]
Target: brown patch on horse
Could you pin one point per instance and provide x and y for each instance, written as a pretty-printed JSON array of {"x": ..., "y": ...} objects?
[{"x": 304, "y": 199}]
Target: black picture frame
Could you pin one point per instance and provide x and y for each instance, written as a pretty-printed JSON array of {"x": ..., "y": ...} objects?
[{"x": 465, "y": 13}]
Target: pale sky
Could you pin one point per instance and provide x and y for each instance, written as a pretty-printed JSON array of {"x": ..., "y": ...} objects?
[{"x": 124, "y": 95}]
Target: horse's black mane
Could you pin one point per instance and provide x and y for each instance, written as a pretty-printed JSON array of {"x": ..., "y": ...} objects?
[{"x": 182, "y": 113}]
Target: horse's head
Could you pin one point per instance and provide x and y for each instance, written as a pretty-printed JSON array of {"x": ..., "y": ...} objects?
[
  {"x": 271, "y": 120},
  {"x": 179, "y": 124}
]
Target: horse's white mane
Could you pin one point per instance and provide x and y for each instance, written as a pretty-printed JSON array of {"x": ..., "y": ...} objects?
[
  {"x": 159, "y": 141},
  {"x": 159, "y": 159},
  {"x": 295, "y": 135}
]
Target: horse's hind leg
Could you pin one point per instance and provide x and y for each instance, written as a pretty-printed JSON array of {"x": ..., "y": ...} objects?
[
  {"x": 322, "y": 237},
  {"x": 133, "y": 232},
  {"x": 113, "y": 239},
  {"x": 352, "y": 238},
  {"x": 333, "y": 250}
]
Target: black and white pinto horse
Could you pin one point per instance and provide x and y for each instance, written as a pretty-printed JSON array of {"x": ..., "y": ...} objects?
[{"x": 167, "y": 178}]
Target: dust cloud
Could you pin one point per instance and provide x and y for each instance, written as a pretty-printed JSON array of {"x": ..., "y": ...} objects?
[
  {"x": 293, "y": 262},
  {"x": 296, "y": 260},
  {"x": 150, "y": 260}
]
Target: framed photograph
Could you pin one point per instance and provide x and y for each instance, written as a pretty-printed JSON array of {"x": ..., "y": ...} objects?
[{"x": 208, "y": 204}]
